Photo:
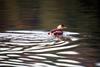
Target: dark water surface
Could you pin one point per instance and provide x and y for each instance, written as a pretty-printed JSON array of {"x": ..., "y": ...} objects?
[{"x": 25, "y": 48}]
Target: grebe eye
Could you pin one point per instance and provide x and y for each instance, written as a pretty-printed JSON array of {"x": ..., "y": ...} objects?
[{"x": 62, "y": 25}]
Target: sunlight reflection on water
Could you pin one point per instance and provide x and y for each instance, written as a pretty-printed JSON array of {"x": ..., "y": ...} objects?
[{"x": 32, "y": 49}]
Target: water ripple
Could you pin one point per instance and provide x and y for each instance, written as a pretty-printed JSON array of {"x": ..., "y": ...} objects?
[{"x": 37, "y": 49}]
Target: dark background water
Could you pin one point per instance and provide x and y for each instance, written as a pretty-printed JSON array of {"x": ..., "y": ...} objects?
[{"x": 78, "y": 15}]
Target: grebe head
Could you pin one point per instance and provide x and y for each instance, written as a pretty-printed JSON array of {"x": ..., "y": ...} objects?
[{"x": 61, "y": 26}]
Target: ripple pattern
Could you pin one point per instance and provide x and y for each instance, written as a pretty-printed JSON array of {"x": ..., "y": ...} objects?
[{"x": 37, "y": 49}]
